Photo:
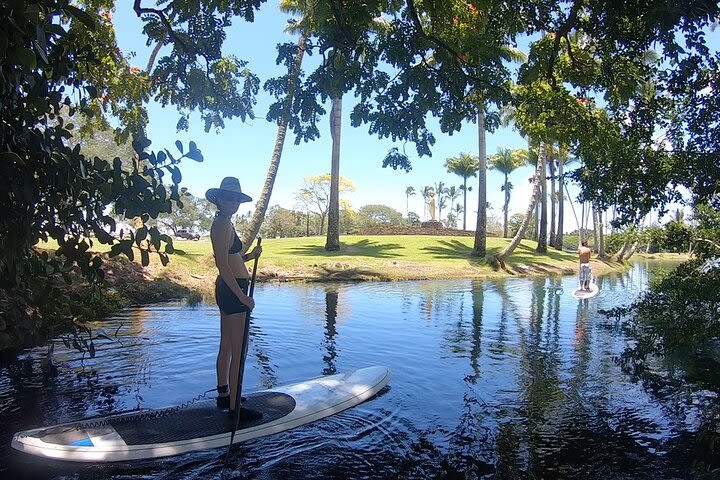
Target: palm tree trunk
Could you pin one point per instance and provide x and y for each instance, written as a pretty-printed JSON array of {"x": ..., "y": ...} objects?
[
  {"x": 542, "y": 229},
  {"x": 595, "y": 222},
  {"x": 480, "y": 246},
  {"x": 551, "y": 162},
  {"x": 507, "y": 251},
  {"x": 506, "y": 207},
  {"x": 464, "y": 203},
  {"x": 630, "y": 251},
  {"x": 561, "y": 204},
  {"x": 153, "y": 56},
  {"x": 572, "y": 206},
  {"x": 621, "y": 253},
  {"x": 332, "y": 244},
  {"x": 263, "y": 201},
  {"x": 600, "y": 236}
]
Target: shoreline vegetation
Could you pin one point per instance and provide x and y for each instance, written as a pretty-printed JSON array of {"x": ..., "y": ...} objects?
[{"x": 191, "y": 272}]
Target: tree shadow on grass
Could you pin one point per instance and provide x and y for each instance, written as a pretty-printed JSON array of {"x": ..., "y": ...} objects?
[
  {"x": 452, "y": 249},
  {"x": 192, "y": 256},
  {"x": 362, "y": 248}
]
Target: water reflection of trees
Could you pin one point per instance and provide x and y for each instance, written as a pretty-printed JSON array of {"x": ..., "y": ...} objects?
[
  {"x": 331, "y": 313},
  {"x": 259, "y": 347},
  {"x": 487, "y": 433}
]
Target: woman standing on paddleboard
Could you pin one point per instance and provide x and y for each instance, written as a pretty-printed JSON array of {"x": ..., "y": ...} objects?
[{"x": 231, "y": 291}]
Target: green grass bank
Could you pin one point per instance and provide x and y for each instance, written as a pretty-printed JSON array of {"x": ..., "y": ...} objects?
[{"x": 377, "y": 257}]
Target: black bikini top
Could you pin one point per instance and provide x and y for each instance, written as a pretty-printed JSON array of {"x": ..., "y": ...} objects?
[{"x": 237, "y": 245}]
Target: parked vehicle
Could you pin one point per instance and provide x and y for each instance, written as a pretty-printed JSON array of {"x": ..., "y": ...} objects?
[{"x": 187, "y": 235}]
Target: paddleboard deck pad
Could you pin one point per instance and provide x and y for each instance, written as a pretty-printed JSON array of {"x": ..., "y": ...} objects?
[
  {"x": 149, "y": 434},
  {"x": 583, "y": 294}
]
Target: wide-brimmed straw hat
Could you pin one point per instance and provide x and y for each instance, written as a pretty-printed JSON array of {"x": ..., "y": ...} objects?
[{"x": 230, "y": 188}]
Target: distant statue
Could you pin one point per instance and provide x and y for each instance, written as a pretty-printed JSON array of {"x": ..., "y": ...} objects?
[{"x": 431, "y": 206}]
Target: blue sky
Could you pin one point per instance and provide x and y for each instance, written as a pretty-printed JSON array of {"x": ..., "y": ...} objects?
[{"x": 243, "y": 149}]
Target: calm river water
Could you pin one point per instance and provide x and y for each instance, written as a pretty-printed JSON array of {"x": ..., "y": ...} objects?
[{"x": 491, "y": 379}]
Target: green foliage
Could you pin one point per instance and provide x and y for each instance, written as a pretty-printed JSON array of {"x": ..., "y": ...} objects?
[
  {"x": 613, "y": 242},
  {"x": 195, "y": 76},
  {"x": 60, "y": 62},
  {"x": 396, "y": 160},
  {"x": 678, "y": 237},
  {"x": 514, "y": 223},
  {"x": 654, "y": 238},
  {"x": 413, "y": 219},
  {"x": 680, "y": 310},
  {"x": 189, "y": 213},
  {"x": 377, "y": 216},
  {"x": 707, "y": 237},
  {"x": 281, "y": 222}
]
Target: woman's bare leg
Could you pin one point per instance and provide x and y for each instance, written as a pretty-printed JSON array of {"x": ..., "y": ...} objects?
[
  {"x": 225, "y": 352},
  {"x": 235, "y": 325}
]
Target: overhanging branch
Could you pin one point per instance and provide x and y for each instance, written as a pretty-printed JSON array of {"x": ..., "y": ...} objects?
[{"x": 163, "y": 18}]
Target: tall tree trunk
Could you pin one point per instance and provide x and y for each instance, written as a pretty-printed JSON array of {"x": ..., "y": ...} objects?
[
  {"x": 561, "y": 202},
  {"x": 480, "y": 247},
  {"x": 621, "y": 253},
  {"x": 507, "y": 251},
  {"x": 506, "y": 208},
  {"x": 263, "y": 201},
  {"x": 572, "y": 206},
  {"x": 595, "y": 225},
  {"x": 601, "y": 237},
  {"x": 630, "y": 251},
  {"x": 542, "y": 229},
  {"x": 332, "y": 244},
  {"x": 551, "y": 163},
  {"x": 153, "y": 56},
  {"x": 464, "y": 203}
]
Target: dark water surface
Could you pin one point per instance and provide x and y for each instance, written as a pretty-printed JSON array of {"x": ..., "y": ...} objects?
[{"x": 491, "y": 379}]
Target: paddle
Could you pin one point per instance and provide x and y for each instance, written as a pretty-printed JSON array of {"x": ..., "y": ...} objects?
[{"x": 243, "y": 352}]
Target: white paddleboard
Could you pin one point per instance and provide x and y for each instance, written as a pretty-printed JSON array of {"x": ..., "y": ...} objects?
[
  {"x": 160, "y": 433},
  {"x": 583, "y": 294}
]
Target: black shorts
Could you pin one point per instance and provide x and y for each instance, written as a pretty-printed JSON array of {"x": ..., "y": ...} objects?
[{"x": 226, "y": 300}]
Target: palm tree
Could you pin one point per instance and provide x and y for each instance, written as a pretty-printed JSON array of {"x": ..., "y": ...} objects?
[
  {"x": 441, "y": 193},
  {"x": 553, "y": 154},
  {"x": 504, "y": 53},
  {"x": 542, "y": 227},
  {"x": 332, "y": 242},
  {"x": 453, "y": 193},
  {"x": 261, "y": 206},
  {"x": 534, "y": 198},
  {"x": 409, "y": 191},
  {"x": 480, "y": 244},
  {"x": 338, "y": 64},
  {"x": 464, "y": 166},
  {"x": 506, "y": 161}
]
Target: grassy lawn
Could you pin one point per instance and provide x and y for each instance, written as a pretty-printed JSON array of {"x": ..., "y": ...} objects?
[{"x": 379, "y": 257}]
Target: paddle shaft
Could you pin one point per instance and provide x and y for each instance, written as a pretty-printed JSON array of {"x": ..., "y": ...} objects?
[{"x": 243, "y": 351}]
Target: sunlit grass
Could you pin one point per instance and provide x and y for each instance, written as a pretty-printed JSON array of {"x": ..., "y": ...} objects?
[{"x": 378, "y": 256}]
